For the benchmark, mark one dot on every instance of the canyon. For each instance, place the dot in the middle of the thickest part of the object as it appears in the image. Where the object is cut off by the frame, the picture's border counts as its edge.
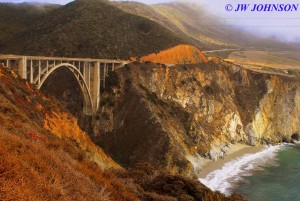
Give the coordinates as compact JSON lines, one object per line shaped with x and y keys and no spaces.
{"x":172,"y":105}
{"x":171,"y":117}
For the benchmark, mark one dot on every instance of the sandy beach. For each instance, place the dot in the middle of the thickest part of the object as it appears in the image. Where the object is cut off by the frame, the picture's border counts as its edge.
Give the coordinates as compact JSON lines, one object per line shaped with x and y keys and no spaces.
{"x":233,"y":153}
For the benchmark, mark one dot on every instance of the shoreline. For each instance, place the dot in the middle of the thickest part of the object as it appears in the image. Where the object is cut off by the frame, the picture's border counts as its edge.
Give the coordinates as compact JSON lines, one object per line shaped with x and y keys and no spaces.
{"x":236,"y":151}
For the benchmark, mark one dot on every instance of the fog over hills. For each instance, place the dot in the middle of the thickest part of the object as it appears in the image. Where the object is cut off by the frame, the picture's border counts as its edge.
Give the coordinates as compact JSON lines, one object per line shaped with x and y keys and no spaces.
{"x":163,"y":117}
{"x":118,"y":29}
{"x":283,"y":26}
{"x":192,"y":22}
{"x":278,"y":25}
{"x":16,"y":18}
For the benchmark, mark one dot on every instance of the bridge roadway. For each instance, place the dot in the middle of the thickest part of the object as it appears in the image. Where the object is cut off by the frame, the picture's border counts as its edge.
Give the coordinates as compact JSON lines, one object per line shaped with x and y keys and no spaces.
{"x":91,"y":74}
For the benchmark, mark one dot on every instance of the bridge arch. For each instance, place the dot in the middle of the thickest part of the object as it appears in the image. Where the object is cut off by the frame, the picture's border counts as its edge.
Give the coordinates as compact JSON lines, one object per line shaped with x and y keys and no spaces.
{"x":45,"y":73}
{"x":90,"y":73}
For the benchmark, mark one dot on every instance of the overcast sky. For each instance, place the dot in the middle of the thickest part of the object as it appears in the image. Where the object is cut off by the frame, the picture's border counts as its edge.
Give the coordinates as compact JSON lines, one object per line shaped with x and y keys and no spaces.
{"x":282,"y":25}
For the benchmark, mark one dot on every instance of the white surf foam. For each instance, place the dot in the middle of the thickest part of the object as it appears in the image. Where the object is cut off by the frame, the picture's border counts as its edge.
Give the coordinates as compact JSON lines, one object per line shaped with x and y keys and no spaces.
{"x":226,"y":178}
{"x":297,"y":143}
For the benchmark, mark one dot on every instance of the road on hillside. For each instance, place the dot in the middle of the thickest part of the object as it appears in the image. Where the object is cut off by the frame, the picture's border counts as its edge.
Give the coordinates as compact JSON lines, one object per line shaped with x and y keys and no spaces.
{"x":222,"y":50}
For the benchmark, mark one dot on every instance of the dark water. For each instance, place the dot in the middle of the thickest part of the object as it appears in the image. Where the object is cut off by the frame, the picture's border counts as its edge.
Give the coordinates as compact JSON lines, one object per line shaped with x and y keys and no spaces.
{"x":278,"y":182}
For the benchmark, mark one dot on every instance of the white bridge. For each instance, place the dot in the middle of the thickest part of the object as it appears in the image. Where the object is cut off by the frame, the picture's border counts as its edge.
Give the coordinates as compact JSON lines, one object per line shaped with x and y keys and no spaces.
{"x":90,"y":73}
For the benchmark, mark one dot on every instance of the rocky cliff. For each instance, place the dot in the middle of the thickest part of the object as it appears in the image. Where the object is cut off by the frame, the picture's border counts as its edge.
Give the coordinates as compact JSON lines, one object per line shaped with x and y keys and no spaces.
{"x":45,"y":156}
{"x":171,"y":117}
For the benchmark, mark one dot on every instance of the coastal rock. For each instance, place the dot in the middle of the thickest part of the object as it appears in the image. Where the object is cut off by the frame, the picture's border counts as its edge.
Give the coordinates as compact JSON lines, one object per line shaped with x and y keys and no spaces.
{"x":277,"y":116}
{"x":164,"y":115}
{"x":295,"y":136}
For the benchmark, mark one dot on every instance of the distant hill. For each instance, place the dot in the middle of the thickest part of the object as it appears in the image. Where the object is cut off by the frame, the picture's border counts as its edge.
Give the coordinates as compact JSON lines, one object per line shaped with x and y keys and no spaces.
{"x":120,"y":30}
{"x":15,"y":18}
{"x":92,"y":28}
{"x":200,"y":28}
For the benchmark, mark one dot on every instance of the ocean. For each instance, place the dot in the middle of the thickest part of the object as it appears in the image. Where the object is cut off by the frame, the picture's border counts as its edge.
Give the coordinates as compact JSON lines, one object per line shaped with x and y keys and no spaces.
{"x":273,"y":174}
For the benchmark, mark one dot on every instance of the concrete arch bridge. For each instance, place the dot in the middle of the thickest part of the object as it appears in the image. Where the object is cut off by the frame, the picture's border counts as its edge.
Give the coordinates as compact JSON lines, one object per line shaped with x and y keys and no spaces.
{"x":91,"y":74}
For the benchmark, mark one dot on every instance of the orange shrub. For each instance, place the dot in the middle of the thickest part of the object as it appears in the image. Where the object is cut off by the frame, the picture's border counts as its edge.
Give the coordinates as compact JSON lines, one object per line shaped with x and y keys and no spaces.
{"x":181,"y":54}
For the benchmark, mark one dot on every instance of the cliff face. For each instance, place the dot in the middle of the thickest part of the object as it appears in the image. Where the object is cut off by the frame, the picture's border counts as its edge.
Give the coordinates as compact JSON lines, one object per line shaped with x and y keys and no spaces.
{"x":277,"y":116}
{"x":45,"y":156}
{"x":172,"y":116}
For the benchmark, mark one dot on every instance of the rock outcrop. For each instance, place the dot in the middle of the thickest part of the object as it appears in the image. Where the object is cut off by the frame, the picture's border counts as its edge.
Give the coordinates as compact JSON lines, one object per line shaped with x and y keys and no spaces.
{"x":172,"y":116}
{"x":45,"y":156}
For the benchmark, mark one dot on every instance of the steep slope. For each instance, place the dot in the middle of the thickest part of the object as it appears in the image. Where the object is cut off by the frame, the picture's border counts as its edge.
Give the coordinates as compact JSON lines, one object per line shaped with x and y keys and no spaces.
{"x":20,"y":99}
{"x":170,"y":116}
{"x":200,"y":28}
{"x":45,"y":156}
{"x":92,"y":28}
{"x":181,"y":54}
{"x":15,"y":18}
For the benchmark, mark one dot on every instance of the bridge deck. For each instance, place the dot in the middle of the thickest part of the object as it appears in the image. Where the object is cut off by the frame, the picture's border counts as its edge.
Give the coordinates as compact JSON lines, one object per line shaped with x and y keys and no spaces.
{"x":90,"y":73}
{"x":2,"y":56}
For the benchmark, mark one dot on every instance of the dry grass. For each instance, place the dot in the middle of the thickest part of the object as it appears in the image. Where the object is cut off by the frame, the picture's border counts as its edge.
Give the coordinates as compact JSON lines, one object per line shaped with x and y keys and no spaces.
{"x":181,"y":54}
{"x":24,"y":108}
{"x":60,"y":163}
{"x":35,"y":164}
{"x":35,"y":170}
{"x":265,"y":61}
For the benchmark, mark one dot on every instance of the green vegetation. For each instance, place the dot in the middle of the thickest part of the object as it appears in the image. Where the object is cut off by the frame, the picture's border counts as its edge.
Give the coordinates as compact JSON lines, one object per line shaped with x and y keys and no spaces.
{"x":92,"y":28}
{"x":16,"y":18}
{"x":103,"y":29}
{"x":200,"y":28}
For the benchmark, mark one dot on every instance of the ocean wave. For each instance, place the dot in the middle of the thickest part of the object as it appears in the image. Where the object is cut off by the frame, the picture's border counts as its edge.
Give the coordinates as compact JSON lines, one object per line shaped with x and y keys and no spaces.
{"x":296,"y":143}
{"x":226,"y":178}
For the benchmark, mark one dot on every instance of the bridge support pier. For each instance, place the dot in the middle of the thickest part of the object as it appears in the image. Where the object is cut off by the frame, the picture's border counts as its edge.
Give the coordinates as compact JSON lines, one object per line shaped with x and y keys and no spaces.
{"x":91,"y":74}
{"x":87,"y":105}
{"x":95,"y":87}
{"x":22,"y":67}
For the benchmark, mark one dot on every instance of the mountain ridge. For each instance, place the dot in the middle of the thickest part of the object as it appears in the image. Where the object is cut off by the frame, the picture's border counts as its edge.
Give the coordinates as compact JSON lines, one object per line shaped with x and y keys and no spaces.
{"x":16,"y":18}
{"x":128,"y":29}
{"x":95,"y":29}
{"x":200,"y":27}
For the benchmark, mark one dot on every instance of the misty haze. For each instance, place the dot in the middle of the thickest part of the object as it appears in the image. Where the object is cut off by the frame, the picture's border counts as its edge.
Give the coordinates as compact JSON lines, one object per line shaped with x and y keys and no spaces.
{"x":153,"y":100}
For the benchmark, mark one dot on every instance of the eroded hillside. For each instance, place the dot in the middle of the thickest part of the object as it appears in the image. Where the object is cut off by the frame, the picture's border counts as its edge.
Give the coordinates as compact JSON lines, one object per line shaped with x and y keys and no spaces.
{"x":172,"y":116}
{"x":45,"y":156}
